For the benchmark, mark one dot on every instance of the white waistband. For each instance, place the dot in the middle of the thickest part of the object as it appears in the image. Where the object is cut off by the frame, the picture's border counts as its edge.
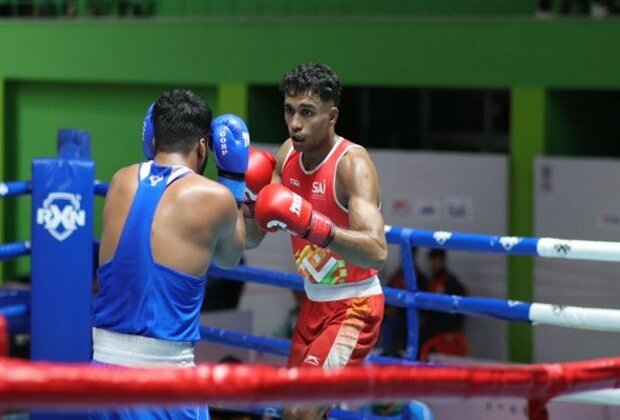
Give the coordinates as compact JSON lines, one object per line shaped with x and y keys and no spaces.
{"x":328,"y":293}
{"x":135,"y":350}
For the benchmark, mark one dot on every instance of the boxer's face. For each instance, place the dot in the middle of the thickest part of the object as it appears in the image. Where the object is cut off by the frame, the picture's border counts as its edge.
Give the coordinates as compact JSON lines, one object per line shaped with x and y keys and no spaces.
{"x":310,"y":121}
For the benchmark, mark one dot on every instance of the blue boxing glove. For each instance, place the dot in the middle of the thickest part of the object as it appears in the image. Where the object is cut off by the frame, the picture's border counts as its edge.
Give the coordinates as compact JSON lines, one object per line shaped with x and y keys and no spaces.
{"x":230,"y":143}
{"x":148,"y":133}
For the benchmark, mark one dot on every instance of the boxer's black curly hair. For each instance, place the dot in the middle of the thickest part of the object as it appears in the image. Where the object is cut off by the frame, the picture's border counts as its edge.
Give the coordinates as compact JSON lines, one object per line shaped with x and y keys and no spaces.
{"x":180,"y":118}
{"x":312,"y":77}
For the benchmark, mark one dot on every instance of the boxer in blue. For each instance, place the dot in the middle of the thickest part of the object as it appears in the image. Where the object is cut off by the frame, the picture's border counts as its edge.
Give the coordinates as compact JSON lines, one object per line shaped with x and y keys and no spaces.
{"x":163,"y":224}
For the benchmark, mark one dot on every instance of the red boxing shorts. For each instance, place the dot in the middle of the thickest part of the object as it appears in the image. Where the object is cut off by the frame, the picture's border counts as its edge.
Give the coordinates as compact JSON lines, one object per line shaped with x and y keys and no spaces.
{"x":338,"y":333}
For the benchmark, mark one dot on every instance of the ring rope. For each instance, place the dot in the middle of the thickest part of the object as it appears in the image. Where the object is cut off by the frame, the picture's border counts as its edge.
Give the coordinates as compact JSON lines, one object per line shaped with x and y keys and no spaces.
{"x":14,"y":296}
{"x":4,"y":336}
{"x":13,"y":311}
{"x":14,"y":250}
{"x":101,"y":188}
{"x":513,"y":245}
{"x":539,"y":313}
{"x":15,"y":188}
{"x":277,"y":346}
{"x":232,"y":338}
{"x":601,"y":397}
{"x":70,"y":385}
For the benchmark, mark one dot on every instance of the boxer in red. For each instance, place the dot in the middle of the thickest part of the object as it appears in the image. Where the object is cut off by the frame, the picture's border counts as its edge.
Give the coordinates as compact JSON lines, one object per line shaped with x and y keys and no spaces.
{"x":325,"y":192}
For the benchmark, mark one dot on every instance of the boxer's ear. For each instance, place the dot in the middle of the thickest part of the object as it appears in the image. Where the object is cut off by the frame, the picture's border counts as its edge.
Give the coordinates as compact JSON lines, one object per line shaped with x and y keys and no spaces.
{"x":333,"y":115}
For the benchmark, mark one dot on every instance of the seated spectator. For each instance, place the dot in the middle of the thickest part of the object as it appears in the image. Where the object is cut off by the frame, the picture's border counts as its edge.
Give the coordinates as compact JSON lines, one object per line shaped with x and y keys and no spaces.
{"x":596,"y":8}
{"x":393,"y":338}
{"x":442,"y":281}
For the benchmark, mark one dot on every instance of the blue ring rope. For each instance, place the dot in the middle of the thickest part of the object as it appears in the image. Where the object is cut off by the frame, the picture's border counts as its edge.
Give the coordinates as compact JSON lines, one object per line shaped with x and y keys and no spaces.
{"x":14,"y":250}
{"x":15,"y":188}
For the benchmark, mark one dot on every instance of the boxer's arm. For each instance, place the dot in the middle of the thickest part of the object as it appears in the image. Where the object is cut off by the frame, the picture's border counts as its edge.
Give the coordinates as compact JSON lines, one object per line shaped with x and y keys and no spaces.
{"x":254,"y":234}
{"x":230,"y":142}
{"x":231,"y":234}
{"x":363,"y":244}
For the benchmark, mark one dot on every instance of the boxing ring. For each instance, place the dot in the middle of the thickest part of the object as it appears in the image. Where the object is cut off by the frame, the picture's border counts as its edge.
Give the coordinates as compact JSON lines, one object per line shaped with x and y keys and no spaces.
{"x":56,"y":313}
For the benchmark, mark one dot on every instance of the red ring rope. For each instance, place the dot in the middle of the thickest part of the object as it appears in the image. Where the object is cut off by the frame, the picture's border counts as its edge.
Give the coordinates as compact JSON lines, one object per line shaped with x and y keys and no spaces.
{"x":25,"y":384}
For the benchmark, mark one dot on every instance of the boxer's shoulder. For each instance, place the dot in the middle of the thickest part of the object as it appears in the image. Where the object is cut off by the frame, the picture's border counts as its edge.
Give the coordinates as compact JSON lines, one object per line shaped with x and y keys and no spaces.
{"x":196,"y":192}
{"x":124,"y":180}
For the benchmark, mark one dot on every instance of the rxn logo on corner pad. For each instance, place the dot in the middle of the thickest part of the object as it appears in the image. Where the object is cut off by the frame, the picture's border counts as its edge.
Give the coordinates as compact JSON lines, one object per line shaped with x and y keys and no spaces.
{"x":61,"y":215}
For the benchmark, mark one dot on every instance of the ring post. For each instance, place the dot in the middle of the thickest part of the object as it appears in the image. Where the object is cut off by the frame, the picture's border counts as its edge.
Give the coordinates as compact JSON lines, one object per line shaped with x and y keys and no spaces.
{"x":62,"y":259}
{"x":412,"y":349}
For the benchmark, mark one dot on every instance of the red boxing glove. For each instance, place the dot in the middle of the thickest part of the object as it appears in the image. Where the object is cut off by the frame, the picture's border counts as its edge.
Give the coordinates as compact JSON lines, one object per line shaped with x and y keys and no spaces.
{"x":260,"y":169}
{"x":277,"y":207}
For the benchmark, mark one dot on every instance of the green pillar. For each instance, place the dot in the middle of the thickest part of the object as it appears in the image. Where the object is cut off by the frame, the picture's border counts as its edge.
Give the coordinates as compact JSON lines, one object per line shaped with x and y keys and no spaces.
{"x":527,"y":140}
{"x":233,"y":98}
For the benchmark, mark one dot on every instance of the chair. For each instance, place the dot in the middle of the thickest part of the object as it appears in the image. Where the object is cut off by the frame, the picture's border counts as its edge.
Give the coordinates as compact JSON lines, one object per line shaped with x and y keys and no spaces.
{"x":452,"y":343}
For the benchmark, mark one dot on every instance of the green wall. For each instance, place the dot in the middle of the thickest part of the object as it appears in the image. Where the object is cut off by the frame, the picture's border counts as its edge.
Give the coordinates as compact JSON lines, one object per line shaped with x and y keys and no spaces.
{"x":112,"y":113}
{"x":100,"y":75}
{"x":387,"y":52}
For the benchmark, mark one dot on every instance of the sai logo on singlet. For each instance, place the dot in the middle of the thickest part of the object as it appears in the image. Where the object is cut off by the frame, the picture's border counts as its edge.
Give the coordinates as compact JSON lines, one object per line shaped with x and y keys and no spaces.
{"x":61,"y":215}
{"x":319,"y":187}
